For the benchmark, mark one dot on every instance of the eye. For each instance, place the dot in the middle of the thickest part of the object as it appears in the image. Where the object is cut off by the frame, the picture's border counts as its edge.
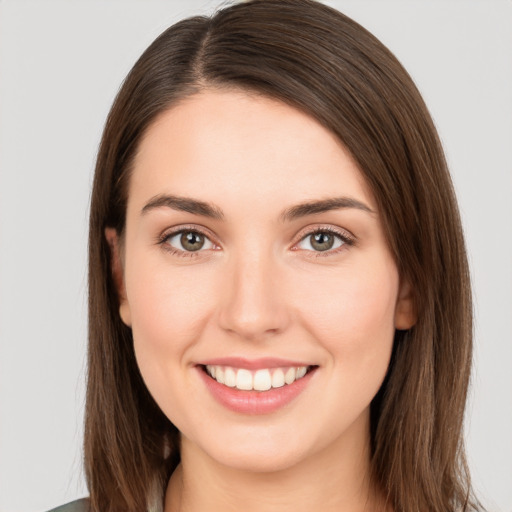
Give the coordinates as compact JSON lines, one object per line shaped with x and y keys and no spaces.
{"x":323,"y":240}
{"x":188,"y":241}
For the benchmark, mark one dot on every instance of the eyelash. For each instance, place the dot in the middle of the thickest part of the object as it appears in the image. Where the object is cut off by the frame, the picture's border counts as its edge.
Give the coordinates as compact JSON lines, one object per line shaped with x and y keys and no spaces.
{"x":163,"y":239}
{"x":346,"y":239}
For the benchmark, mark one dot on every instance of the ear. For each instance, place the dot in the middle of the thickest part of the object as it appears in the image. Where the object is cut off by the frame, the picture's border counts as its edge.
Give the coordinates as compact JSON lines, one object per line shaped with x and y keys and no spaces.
{"x":117,"y":270}
{"x":405,"y":310}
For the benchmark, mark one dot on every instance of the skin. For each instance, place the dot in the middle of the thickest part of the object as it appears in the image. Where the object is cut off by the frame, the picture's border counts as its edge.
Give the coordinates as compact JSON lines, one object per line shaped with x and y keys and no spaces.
{"x":259,"y":289}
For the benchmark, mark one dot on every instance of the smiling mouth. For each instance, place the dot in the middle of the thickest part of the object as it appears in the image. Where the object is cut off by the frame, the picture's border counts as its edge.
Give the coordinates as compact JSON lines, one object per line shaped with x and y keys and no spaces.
{"x":258,"y":380}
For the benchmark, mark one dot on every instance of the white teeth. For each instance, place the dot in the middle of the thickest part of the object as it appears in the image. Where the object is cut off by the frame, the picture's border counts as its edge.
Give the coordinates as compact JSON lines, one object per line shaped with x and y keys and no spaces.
{"x":230,"y":377}
{"x":278,"y":378}
{"x":244,"y":379}
{"x":289,"y":376}
{"x":301,"y":371}
{"x":260,"y":380}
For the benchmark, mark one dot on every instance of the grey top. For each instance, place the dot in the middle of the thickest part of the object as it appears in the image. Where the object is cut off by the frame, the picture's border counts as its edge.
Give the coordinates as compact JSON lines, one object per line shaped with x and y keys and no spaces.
{"x":75,"y":506}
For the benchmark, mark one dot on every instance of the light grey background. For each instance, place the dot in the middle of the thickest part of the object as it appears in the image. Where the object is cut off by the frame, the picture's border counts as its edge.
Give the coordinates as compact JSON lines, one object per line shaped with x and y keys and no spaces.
{"x":61,"y":63}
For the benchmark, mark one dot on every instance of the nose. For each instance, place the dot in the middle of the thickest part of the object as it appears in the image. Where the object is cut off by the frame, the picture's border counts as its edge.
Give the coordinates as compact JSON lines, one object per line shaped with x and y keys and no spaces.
{"x":253,"y":304}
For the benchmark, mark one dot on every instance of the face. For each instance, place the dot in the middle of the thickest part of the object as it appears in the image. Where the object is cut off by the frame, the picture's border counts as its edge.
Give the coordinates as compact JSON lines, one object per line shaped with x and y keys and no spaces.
{"x":257,"y":281}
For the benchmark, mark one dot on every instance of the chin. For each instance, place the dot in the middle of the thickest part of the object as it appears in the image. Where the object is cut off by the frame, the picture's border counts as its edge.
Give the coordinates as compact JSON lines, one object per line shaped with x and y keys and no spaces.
{"x":257,"y":450}
{"x":259,"y":461}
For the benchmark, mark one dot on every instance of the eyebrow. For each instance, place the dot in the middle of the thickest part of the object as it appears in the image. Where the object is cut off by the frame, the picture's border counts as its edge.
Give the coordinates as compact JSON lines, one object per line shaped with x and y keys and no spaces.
{"x":184,"y":204}
{"x":323,"y":205}
{"x":205,"y":209}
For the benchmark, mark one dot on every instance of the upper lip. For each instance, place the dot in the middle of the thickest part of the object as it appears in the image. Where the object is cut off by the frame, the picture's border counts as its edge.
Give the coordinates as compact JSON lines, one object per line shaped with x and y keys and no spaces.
{"x":252,"y":364}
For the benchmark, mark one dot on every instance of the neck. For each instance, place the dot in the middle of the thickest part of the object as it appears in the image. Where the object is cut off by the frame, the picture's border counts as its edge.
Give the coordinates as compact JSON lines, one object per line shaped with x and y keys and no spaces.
{"x":335,"y":479}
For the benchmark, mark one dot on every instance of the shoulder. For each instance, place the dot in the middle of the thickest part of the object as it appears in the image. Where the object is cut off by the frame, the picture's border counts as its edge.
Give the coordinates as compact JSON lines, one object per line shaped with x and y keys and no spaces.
{"x":75,"y":506}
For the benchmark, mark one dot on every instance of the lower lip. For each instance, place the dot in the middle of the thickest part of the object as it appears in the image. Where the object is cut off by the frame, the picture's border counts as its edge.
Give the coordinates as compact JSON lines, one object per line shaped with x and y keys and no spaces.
{"x":255,"y":402}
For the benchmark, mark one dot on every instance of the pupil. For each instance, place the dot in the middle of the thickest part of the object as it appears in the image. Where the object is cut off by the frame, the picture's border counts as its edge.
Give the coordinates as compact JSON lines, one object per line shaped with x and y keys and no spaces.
{"x":192,"y":241}
{"x":322,"y":241}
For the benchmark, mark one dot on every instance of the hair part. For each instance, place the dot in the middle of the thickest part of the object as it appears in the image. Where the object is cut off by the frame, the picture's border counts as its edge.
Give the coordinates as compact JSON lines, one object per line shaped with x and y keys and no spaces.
{"x":315,"y":59}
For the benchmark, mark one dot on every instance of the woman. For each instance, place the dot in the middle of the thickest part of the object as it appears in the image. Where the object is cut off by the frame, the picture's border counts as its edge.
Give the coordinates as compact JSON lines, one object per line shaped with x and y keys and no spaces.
{"x":280,"y":311}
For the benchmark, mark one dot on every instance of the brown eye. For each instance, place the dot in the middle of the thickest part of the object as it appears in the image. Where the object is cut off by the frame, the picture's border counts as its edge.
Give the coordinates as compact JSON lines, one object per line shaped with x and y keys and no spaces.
{"x":188,"y":241}
{"x":321,"y":241}
{"x":192,"y":241}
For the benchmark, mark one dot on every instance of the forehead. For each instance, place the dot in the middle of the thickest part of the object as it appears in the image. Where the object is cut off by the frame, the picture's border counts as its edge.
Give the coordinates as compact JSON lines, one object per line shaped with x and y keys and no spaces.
{"x":232,"y":146}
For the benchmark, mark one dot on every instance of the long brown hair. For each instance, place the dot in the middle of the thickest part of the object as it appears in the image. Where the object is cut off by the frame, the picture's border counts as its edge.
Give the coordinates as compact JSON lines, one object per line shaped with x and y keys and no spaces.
{"x":319,"y":61}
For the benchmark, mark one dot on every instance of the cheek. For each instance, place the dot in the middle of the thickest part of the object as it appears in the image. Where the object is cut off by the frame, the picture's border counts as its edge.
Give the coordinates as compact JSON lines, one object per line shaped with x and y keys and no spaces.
{"x":168,"y":310}
{"x":352,"y":317}
{"x":352,"y":314}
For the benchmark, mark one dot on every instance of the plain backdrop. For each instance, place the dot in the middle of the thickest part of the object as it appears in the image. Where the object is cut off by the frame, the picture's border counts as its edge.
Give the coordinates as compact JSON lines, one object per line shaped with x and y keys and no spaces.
{"x":61,"y":63}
